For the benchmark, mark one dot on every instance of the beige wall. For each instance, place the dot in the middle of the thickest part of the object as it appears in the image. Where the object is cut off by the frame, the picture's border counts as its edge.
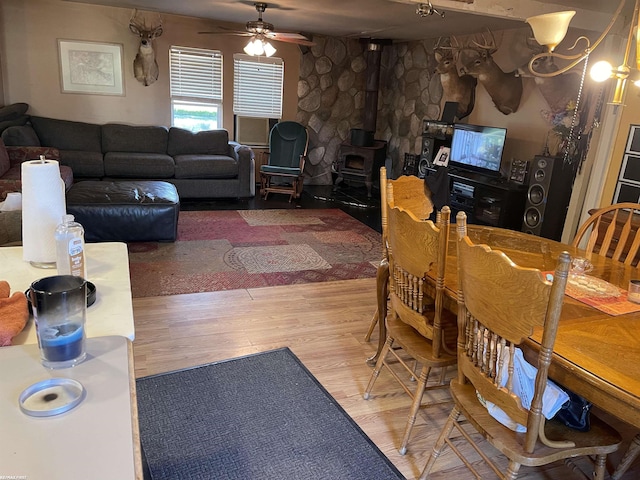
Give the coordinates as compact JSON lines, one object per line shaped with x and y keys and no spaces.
{"x":30,"y":68}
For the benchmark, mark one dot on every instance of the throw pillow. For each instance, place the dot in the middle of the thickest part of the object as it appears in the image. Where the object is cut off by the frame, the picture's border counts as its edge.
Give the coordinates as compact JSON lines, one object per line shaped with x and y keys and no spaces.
{"x":21,"y":136}
{"x":22,"y":120}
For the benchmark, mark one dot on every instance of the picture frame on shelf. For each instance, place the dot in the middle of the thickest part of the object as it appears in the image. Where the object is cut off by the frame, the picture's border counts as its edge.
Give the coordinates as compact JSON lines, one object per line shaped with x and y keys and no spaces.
{"x":442,"y":157}
{"x":90,"y":67}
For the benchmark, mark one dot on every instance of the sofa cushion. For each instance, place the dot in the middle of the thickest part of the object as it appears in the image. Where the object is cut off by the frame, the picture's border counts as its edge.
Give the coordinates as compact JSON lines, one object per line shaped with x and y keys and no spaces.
{"x":138,"y":165}
{"x":84,"y":164}
{"x":67,"y":135}
{"x":205,"y":166}
{"x":20,"y":136}
{"x":137,"y":139}
{"x":5,"y":163}
{"x":210,"y":142}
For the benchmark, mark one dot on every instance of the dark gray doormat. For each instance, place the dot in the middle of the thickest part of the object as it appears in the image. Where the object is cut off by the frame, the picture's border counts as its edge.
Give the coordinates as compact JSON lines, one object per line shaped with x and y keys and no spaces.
{"x":262,"y":416}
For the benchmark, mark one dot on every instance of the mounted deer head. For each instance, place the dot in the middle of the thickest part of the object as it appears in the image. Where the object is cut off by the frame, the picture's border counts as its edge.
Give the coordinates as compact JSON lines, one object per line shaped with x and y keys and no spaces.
{"x":145,"y":67}
{"x":504,"y":88}
{"x":560,"y":90}
{"x":455,"y":88}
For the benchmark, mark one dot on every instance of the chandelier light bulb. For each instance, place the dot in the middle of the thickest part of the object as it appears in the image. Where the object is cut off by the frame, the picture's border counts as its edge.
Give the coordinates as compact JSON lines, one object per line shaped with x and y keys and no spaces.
{"x":601,"y":71}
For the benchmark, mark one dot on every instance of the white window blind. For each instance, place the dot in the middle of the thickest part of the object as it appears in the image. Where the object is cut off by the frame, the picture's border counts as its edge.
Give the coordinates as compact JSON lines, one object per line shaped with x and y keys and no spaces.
{"x":195,"y":73}
{"x":257,"y":86}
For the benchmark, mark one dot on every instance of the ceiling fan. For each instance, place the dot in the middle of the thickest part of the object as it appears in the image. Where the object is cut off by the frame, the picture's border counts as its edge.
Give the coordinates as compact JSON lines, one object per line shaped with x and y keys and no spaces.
{"x":261,"y":30}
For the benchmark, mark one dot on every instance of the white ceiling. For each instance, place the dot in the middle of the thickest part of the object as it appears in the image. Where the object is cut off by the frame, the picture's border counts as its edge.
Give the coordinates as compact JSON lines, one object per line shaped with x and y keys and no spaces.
{"x":384,"y":19}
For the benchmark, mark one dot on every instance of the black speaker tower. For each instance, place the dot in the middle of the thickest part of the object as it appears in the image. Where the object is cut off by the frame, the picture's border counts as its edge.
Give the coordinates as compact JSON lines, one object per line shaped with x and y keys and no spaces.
{"x":548,"y":196}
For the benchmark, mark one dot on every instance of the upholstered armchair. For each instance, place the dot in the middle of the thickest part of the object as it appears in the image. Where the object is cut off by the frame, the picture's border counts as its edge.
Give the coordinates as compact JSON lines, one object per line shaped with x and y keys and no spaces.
{"x":288,"y":143}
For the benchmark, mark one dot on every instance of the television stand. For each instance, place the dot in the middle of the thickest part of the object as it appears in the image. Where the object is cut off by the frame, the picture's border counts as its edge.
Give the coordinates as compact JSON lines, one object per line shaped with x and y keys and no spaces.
{"x":486,"y":200}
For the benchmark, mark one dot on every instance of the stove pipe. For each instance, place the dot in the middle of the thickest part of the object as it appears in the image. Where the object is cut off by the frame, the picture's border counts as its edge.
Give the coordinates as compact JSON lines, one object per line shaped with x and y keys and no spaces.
{"x":370,"y":111}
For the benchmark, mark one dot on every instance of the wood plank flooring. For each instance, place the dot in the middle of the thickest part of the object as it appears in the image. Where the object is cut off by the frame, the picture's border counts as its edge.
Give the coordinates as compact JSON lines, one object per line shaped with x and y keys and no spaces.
{"x":324,"y":325}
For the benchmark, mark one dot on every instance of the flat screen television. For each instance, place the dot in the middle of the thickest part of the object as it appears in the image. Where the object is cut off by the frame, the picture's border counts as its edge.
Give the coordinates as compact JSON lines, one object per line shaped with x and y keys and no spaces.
{"x":477,"y":148}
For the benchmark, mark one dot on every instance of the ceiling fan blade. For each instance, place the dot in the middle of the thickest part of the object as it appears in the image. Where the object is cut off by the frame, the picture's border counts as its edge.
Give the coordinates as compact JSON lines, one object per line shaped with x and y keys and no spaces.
{"x":241,"y":34}
{"x":290,"y":38}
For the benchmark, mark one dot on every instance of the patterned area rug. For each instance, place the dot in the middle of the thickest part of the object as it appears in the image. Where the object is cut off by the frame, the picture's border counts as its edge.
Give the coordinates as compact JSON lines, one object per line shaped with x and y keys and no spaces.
{"x":229,"y":249}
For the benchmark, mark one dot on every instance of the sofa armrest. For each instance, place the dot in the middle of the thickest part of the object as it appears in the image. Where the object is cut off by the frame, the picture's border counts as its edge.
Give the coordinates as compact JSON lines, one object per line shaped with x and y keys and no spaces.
{"x":246,"y":168}
{"x":17,"y":155}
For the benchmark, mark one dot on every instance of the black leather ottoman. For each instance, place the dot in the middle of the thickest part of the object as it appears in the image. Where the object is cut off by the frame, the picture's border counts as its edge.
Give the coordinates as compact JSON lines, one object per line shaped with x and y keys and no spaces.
{"x":128,"y":211}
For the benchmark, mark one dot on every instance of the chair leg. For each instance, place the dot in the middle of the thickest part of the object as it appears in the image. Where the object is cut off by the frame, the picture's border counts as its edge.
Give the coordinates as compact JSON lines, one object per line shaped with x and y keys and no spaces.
{"x":415,"y":406}
{"x":600,"y":472}
{"x":372,"y":325}
{"x":631,"y":454}
{"x":440,"y":443}
{"x":265,"y":183}
{"x":298,"y":184}
{"x":377,"y":368}
{"x":512,"y":470}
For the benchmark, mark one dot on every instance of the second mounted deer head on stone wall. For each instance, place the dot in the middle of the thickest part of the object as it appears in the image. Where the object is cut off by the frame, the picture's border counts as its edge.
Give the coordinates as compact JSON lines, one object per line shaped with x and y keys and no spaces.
{"x":145,"y":67}
{"x":455,"y":87}
{"x":504,"y":88}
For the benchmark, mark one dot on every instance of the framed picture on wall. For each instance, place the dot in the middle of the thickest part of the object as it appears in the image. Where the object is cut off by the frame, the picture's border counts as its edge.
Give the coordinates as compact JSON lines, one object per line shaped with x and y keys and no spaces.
{"x":90,"y":67}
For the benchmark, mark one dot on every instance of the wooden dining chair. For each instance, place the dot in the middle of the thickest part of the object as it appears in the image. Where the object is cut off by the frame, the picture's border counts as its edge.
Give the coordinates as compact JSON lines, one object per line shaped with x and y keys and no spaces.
{"x":417,"y":324}
{"x":612,"y":232}
{"x":409,"y":193}
{"x":499,"y":305}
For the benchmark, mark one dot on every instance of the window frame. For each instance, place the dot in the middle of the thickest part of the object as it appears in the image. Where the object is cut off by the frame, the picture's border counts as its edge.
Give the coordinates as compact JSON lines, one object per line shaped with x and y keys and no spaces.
{"x":254,"y":94}
{"x":196,"y":79}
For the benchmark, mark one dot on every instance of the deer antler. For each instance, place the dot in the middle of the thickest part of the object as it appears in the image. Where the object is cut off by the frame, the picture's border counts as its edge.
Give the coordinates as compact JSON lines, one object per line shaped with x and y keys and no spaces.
{"x":143,"y":26}
{"x":489,"y":46}
{"x":439,"y":46}
{"x":136,"y":23}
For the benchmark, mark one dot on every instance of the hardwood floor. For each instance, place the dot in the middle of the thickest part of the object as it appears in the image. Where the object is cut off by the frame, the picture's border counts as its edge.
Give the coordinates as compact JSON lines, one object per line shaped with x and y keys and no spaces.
{"x":324,"y":325}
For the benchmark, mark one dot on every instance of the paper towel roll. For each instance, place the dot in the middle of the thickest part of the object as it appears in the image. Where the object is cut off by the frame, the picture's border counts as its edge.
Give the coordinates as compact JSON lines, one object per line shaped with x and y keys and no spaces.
{"x":43,"y":205}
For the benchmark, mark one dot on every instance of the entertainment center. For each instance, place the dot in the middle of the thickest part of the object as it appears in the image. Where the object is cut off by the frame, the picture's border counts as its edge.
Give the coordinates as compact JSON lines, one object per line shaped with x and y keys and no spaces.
{"x":473,"y":160}
{"x":486,"y":200}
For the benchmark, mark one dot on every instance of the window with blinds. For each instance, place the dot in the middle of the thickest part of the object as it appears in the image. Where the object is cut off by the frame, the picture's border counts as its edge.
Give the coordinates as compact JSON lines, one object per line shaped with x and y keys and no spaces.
{"x":257,"y":85}
{"x":196,"y":88}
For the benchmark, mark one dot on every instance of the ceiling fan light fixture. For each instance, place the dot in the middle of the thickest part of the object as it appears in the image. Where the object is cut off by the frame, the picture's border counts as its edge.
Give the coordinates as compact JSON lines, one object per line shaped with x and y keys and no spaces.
{"x":269,"y":49}
{"x":259,"y":46}
{"x":251,"y":48}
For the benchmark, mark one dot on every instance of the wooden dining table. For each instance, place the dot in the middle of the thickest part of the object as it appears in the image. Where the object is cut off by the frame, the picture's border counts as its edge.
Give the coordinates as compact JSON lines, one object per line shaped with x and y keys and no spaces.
{"x":596,"y":355}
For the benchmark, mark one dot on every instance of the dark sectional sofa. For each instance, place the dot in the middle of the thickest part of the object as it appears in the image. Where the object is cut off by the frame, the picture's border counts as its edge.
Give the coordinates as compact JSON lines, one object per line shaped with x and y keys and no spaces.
{"x":200,"y":165}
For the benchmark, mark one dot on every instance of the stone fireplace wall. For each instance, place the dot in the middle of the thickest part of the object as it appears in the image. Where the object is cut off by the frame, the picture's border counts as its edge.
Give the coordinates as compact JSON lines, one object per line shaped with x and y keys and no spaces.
{"x":331,"y":92}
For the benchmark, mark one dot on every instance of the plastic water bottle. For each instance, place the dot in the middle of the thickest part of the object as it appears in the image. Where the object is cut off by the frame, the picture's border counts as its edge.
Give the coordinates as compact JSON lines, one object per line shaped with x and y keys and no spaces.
{"x":70,"y":258}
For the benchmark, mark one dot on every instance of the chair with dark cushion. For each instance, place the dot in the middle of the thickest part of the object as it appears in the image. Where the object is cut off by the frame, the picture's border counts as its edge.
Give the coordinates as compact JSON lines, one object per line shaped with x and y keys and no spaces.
{"x":288,"y":143}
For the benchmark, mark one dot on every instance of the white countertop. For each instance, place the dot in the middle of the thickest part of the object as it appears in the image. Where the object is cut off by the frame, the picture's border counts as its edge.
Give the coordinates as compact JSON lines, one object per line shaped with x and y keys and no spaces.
{"x":94,"y":440}
{"x":107,"y":269}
